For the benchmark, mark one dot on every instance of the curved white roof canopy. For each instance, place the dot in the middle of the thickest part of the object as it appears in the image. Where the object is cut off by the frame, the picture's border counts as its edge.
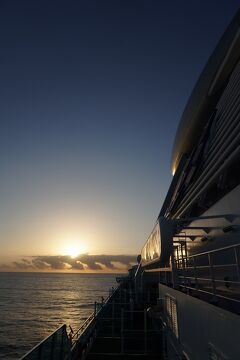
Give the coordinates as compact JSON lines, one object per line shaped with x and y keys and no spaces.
{"x":205,"y":93}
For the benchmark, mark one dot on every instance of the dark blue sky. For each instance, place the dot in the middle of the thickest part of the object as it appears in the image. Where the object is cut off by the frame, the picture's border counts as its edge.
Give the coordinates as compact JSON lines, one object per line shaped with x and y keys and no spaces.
{"x":91,"y":96}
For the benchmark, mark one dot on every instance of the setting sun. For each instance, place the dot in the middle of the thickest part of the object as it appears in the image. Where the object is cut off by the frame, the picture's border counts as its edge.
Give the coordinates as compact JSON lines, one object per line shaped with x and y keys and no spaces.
{"x":73,"y":252}
{"x":73,"y":249}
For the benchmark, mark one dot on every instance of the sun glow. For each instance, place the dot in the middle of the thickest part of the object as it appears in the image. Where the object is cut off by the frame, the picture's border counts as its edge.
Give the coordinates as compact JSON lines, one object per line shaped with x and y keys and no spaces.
{"x":74,"y":249}
{"x":73,"y":252}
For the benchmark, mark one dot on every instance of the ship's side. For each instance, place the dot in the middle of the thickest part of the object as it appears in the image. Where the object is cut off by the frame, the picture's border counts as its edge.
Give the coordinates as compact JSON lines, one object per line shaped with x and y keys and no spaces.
{"x":193,"y":253}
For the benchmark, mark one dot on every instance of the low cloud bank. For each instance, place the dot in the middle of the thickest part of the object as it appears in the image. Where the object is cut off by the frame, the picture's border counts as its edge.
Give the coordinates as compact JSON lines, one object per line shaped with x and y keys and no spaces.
{"x":84,"y":262}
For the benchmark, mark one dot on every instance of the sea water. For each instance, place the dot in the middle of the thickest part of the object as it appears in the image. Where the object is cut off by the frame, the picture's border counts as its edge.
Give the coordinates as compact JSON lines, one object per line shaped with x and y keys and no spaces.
{"x":32,"y":305}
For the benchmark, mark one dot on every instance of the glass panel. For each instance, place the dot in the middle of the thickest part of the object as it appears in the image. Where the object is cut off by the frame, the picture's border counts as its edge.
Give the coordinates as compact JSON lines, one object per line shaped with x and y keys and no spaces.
{"x":46,"y":348}
{"x":151,"y":249}
{"x":55,"y":347}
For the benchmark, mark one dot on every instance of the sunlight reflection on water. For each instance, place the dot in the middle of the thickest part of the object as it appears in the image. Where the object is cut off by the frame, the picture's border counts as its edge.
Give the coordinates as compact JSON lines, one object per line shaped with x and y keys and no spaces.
{"x":32,"y":305}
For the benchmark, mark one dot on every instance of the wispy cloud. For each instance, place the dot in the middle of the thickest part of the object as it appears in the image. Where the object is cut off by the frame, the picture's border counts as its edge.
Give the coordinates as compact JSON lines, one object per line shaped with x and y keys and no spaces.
{"x":84,"y":262}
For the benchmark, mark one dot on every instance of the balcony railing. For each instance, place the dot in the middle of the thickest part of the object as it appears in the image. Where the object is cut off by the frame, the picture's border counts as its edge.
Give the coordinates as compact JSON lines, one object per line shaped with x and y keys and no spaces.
{"x":215,"y":273}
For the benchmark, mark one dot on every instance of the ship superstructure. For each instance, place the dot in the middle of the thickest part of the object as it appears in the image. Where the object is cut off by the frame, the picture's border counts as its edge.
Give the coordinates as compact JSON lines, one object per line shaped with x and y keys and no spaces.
{"x":194,"y":248}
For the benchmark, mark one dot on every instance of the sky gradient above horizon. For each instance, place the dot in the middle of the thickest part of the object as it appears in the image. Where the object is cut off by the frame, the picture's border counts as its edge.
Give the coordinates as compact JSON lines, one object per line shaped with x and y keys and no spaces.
{"x":91,"y":96}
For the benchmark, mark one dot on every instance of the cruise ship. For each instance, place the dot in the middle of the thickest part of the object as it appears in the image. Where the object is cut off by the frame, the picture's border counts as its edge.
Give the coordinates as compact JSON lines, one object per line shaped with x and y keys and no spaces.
{"x":182,"y":299}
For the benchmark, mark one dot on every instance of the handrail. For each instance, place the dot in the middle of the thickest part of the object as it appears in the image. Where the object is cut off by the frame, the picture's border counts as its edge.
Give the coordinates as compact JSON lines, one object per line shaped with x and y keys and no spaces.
{"x":215,"y":250}
{"x":208,"y":279}
{"x":210,"y":293}
{"x":82,"y":327}
{"x":84,"y":336}
{"x":92,"y":316}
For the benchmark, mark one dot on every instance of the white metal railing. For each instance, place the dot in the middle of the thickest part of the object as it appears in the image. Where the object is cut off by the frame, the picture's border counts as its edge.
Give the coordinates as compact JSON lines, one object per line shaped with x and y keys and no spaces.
{"x":201,"y":273}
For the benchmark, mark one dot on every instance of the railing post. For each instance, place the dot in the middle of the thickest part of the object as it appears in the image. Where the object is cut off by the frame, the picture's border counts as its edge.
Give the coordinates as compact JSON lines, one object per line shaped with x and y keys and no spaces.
{"x":212,"y":276}
{"x":195,"y":273}
{"x":178,"y":260}
{"x":174,"y":270}
{"x":183,"y":266}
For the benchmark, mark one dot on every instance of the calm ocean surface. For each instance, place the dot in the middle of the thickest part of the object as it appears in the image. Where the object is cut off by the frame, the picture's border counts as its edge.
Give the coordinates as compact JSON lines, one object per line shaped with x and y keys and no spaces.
{"x":32,"y":305}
